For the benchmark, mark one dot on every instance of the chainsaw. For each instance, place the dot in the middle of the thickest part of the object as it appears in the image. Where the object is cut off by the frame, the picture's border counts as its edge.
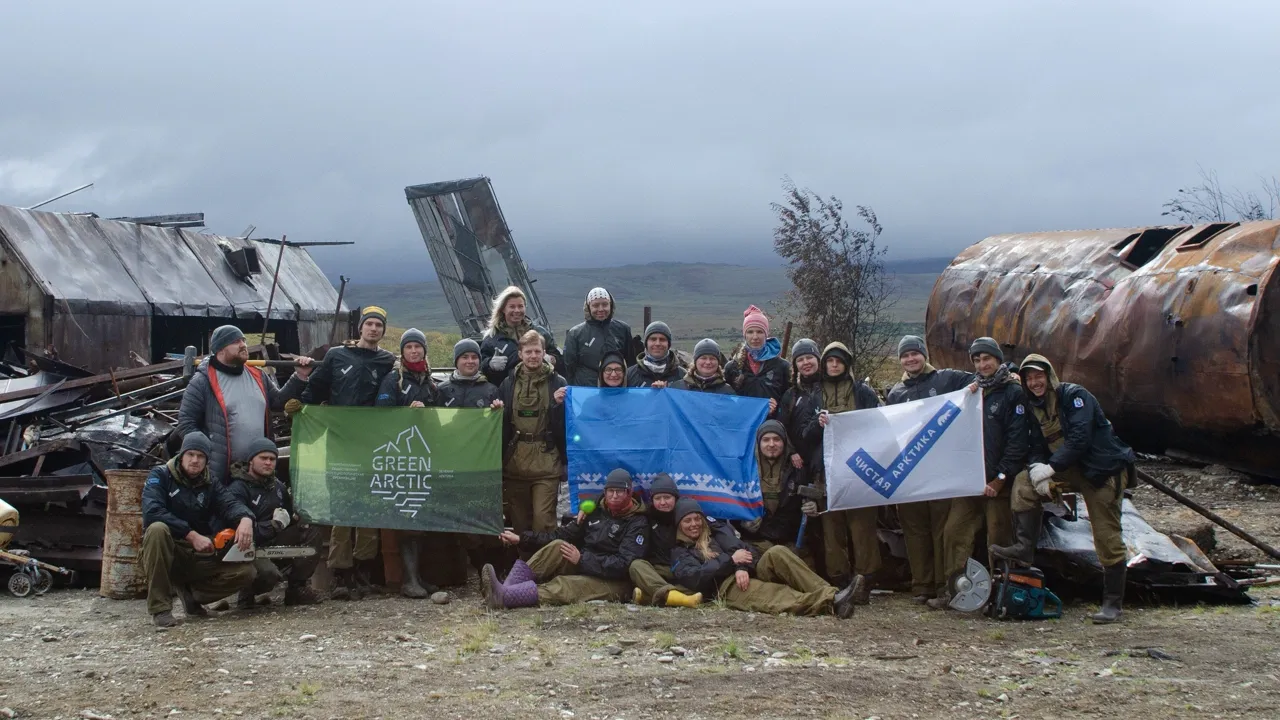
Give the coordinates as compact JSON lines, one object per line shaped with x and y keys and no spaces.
{"x":1013,"y":594}
{"x":224,"y":543}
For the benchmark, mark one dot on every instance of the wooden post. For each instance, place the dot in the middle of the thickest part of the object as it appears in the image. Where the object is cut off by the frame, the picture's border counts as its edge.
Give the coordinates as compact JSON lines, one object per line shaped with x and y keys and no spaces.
{"x":648,"y":317}
{"x":786,"y":340}
{"x":275,"y":278}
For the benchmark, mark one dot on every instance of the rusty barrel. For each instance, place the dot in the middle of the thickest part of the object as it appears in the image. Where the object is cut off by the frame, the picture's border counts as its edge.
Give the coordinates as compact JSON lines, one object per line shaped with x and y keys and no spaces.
{"x":122,"y":577}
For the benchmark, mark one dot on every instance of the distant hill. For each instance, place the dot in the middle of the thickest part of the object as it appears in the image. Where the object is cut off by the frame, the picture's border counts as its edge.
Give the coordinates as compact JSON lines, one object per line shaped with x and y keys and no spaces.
{"x":695,"y":299}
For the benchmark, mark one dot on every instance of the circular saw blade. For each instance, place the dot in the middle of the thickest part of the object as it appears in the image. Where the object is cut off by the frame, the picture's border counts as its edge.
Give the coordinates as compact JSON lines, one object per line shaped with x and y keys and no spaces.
{"x":970,"y":588}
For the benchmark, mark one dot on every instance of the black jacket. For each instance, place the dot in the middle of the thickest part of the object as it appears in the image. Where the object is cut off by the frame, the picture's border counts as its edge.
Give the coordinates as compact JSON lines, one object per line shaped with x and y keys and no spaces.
{"x":262,"y":499}
{"x":781,"y":526}
{"x":348,"y":376}
{"x":691,"y":381}
{"x":802,"y":415}
{"x":691,"y":570}
{"x":586,"y":344}
{"x":639,"y":375}
{"x":185,"y":506}
{"x":555,"y":418}
{"x":494,"y":343}
{"x":930,"y":384}
{"x":662,"y":535}
{"x":459,"y":392}
{"x":608,"y":544}
{"x":401,"y":387}
{"x":1090,"y":440}
{"x":771,"y":382}
{"x":1005,"y":432}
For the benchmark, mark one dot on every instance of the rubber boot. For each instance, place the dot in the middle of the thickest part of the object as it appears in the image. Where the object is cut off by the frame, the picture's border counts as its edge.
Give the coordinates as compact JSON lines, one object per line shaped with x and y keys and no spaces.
{"x":301,"y":595}
{"x":364,"y":570}
{"x":862,"y":589}
{"x":412,"y":585}
{"x":845,"y":600}
{"x":509,"y":597}
{"x":675,"y":598}
{"x":189,"y":604}
{"x":244,"y":599}
{"x":1112,"y":595}
{"x":1026,"y":529}
{"x":344,"y":585}
{"x":637,"y":597}
{"x":520,"y":572}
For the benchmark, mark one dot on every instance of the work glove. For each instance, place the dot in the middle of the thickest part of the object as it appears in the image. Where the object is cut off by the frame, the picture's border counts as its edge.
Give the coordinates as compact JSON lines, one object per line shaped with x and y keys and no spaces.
{"x":498,"y":363}
{"x":1040,"y":474}
{"x":280,"y":519}
{"x":292,"y":406}
{"x":752,"y":525}
{"x":809,"y":507}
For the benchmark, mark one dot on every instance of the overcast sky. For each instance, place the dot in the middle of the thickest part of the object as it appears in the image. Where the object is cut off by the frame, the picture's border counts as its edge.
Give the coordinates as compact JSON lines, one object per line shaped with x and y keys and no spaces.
{"x":620,"y":132}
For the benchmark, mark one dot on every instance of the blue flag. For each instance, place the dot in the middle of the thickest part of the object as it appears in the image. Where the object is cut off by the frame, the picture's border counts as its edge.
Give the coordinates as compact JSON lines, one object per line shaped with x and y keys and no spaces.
{"x":706,"y":442}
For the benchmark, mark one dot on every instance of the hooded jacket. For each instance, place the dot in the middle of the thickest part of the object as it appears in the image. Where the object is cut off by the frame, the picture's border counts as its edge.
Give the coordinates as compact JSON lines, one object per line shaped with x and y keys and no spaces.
{"x":461,"y":392}
{"x":555,"y":415}
{"x":701,"y":574}
{"x":662,"y":525}
{"x":781,"y":526}
{"x":260,"y":497}
{"x":185,"y":504}
{"x":349,"y":376}
{"x":639,"y":375}
{"x":608,"y":544}
{"x":770,"y":382}
{"x":808,"y":403}
{"x":204,"y":409}
{"x":611,"y":357}
{"x":497,"y":340}
{"x":401,"y":387}
{"x":1088,"y":439}
{"x":691,"y":381}
{"x":587,"y":343}
{"x":1005,"y":431}
{"x":929,"y":383}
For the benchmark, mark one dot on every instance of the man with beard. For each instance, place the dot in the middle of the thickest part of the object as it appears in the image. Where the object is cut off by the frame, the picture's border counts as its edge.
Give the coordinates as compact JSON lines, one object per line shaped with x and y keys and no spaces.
{"x":254,"y":485}
{"x":658,"y":365}
{"x":652,"y":575}
{"x":779,"y":482}
{"x":351,"y":375}
{"x":588,"y":342}
{"x":1004,"y":440}
{"x":231,"y":403}
{"x":500,"y":346}
{"x":1073,"y":444}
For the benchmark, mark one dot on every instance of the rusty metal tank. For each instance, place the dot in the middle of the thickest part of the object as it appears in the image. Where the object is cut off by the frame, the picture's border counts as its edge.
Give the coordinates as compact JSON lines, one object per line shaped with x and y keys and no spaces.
{"x":1175,"y":329}
{"x":122,"y":577}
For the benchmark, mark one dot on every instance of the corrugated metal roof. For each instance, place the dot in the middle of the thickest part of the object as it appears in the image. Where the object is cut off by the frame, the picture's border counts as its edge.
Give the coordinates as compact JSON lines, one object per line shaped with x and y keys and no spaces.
{"x":248,"y":296}
{"x":72,"y":261}
{"x":165,"y":270}
{"x":301,"y":281}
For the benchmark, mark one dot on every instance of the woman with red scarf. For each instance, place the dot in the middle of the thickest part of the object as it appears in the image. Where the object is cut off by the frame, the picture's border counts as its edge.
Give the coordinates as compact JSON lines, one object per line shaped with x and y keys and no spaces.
{"x":758,"y":370}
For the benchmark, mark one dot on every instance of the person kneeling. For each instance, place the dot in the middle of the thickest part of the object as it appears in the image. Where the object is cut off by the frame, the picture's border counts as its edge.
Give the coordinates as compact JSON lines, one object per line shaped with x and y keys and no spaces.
{"x":254,"y":484}
{"x":181,"y":511}
{"x":582,"y":561}
{"x":773,"y":582}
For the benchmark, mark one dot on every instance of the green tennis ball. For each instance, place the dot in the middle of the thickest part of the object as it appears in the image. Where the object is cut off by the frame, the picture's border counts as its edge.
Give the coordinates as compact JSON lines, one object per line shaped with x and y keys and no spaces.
{"x":587,"y":506}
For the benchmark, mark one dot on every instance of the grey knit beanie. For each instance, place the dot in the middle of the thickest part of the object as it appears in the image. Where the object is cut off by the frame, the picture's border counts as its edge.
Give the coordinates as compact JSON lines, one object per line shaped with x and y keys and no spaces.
{"x":464,"y":346}
{"x":706,"y":346}
{"x":986,"y":345}
{"x":261,"y":445}
{"x":912,"y":342}
{"x":659,"y":327}
{"x":223,"y":336}
{"x":618,"y":478}
{"x":197,"y":441}
{"x":804,"y":346}
{"x":663,"y":484}
{"x":413,"y":335}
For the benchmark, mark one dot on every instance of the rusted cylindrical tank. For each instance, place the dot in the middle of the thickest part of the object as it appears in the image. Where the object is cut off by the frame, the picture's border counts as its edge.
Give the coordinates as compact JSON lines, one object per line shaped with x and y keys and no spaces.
{"x":122,"y":577}
{"x":1175,"y":329}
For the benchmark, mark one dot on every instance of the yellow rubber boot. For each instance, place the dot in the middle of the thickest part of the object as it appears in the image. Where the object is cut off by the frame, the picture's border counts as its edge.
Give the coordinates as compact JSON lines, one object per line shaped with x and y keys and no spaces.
{"x":637,"y":597}
{"x":675,"y":598}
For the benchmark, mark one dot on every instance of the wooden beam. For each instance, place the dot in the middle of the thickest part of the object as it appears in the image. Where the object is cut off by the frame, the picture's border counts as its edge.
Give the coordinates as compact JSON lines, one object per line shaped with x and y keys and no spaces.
{"x":40,"y":450}
{"x":104,"y":378}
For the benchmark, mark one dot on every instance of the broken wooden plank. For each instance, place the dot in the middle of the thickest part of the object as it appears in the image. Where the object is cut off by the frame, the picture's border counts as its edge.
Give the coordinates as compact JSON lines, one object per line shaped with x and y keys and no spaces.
{"x":130,"y":374}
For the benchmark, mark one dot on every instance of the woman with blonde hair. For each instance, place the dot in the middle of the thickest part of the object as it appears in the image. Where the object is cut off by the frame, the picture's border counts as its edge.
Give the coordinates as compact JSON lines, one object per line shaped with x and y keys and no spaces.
{"x":500,"y":345}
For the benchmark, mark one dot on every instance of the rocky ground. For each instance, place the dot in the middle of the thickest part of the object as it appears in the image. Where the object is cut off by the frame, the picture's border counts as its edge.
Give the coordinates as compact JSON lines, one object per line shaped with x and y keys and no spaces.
{"x":71,"y":654}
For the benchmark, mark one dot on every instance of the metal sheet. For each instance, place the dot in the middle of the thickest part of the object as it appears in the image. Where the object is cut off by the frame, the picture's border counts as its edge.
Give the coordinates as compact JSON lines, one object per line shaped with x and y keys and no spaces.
{"x":249,"y":297}
{"x":22,"y":407}
{"x":301,"y":281}
{"x":1182,"y":349}
{"x":165,"y":270}
{"x":71,"y":261}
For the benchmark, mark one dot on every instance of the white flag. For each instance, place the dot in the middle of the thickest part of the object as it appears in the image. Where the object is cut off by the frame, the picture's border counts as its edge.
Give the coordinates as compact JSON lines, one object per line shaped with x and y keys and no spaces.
{"x":929,"y":449}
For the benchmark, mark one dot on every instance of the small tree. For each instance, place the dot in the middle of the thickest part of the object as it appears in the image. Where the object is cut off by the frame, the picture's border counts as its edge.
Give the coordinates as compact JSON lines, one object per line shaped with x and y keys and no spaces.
{"x":841,"y":290}
{"x":1208,"y":202}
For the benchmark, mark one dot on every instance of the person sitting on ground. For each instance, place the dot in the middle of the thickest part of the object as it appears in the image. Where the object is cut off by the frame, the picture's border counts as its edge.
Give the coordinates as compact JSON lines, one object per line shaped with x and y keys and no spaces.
{"x":254,"y":484}
{"x":409,"y":383}
{"x":779,"y":482}
{"x":585,"y":560}
{"x":773,"y":582}
{"x":588,"y":343}
{"x":658,"y":366}
{"x":613,"y":371}
{"x":706,"y":375}
{"x":500,"y":346}
{"x":182,"y":510}
{"x":1074,"y":444}
{"x":758,"y":369}
{"x":532,"y":438}
{"x":652,"y":575}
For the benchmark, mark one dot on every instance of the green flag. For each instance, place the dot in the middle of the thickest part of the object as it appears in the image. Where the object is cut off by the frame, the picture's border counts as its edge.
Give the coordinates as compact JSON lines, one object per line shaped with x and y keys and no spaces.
{"x":398,"y":468}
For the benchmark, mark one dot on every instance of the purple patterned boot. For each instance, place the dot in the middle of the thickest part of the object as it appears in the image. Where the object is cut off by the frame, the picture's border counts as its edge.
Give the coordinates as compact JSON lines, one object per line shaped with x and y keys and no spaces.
{"x":520,"y":572}
{"x":509,"y":597}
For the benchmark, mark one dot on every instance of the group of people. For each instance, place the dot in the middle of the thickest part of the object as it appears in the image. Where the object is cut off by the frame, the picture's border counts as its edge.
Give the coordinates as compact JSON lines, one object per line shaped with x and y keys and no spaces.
{"x":1041,"y":436}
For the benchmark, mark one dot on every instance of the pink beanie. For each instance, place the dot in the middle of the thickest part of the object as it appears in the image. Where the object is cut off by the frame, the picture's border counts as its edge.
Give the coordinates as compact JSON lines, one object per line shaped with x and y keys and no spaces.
{"x":753,"y":317}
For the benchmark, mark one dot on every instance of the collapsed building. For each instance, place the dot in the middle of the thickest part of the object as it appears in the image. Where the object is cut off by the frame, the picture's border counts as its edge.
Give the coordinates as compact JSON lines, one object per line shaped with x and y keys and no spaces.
{"x":1176,"y":329}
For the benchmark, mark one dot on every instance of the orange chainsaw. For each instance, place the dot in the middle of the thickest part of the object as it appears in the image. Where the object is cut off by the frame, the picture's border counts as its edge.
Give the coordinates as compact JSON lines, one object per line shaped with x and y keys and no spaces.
{"x":224,"y":543}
